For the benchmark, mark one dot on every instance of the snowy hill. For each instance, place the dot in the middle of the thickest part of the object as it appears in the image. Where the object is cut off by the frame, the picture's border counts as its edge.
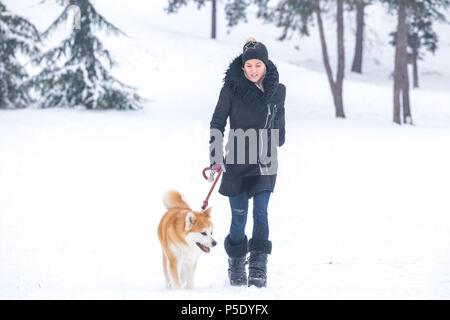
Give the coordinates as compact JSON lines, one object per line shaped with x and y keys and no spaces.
{"x":360,"y":209}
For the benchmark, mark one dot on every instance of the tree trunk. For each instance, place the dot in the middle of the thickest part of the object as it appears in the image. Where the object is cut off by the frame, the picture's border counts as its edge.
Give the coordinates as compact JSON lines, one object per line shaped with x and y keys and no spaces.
{"x":336,"y":87}
{"x":213,"y":19}
{"x":415,"y":70}
{"x":407,"y":118}
{"x":358,"y":57}
{"x":414,"y":43}
{"x":400,"y":62}
{"x":341,"y":59}
{"x":403,"y":39}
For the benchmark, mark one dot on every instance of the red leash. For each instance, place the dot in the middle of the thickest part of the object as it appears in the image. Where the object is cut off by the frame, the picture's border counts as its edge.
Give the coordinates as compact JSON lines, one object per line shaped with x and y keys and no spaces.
{"x":215,"y":168}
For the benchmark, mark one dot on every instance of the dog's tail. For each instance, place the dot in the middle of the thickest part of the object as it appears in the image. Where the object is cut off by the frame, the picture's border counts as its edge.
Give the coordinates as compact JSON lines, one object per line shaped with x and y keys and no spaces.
{"x":173,"y":199}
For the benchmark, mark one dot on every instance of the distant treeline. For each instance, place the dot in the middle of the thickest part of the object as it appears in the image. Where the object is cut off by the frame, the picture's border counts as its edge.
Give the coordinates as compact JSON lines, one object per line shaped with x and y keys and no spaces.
{"x":414,"y":34}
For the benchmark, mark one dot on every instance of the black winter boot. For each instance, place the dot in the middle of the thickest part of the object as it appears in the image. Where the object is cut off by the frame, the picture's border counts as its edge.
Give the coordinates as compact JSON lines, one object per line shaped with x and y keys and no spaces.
{"x":236,"y":262}
{"x":257,"y":269}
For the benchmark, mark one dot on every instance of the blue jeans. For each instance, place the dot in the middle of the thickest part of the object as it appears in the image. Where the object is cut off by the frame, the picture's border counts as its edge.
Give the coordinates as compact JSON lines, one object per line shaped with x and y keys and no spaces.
{"x":239,"y":211}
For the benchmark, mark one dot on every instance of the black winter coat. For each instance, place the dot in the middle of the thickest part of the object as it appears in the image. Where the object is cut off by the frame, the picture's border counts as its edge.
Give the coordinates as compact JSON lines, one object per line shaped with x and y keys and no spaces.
{"x":249,"y":108}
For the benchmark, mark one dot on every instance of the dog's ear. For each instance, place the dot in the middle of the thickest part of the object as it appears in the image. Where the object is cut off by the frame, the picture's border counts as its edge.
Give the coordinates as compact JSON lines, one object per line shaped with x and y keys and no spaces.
{"x":208,"y":212}
{"x":190,"y":221}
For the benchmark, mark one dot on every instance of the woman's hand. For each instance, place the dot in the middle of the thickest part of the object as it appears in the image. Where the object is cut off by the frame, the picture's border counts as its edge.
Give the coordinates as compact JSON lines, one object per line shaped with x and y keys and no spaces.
{"x":218,"y":166}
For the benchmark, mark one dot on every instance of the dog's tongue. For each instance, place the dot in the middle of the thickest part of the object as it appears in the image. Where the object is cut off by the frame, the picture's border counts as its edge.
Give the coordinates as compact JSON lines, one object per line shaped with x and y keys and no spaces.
{"x":204,"y":248}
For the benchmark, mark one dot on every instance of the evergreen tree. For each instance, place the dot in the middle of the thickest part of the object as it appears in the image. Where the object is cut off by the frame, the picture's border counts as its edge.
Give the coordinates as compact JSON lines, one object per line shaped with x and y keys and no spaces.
{"x":420,"y":36}
{"x":82,"y":79}
{"x":17,"y":35}
{"x":404,"y":9}
{"x":235,"y":11}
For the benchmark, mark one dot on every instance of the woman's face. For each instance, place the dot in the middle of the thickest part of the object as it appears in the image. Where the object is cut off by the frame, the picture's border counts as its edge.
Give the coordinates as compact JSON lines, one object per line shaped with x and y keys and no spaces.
{"x":254,"y":69}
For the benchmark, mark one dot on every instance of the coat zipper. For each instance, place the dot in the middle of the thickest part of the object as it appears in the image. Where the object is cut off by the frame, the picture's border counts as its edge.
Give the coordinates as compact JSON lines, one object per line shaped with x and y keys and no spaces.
{"x":272,"y":119}
{"x":268,"y":114}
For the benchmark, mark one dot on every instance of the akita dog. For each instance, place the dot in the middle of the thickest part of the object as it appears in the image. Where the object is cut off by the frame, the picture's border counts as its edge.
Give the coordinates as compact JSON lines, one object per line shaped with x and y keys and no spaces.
{"x":184,"y":234}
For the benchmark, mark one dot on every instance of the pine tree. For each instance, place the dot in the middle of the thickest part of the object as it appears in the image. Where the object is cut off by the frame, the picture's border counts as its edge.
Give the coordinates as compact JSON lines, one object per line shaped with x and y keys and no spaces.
{"x":404,"y":9}
{"x":236,"y":11}
{"x":420,"y":37}
{"x":82,"y":79}
{"x":17,"y":35}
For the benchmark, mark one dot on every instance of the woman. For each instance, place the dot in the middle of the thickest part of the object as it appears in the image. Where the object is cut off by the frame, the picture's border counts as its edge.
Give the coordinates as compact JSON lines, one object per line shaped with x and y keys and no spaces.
{"x":253,"y":99}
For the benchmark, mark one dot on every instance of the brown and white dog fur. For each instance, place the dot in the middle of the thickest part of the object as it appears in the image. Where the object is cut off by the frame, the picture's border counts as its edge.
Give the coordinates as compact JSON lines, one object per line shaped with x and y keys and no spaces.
{"x":184,"y":234}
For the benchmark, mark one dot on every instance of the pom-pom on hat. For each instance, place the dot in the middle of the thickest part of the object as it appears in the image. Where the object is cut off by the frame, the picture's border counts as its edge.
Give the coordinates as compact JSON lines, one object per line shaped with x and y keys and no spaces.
{"x":254,"y":50}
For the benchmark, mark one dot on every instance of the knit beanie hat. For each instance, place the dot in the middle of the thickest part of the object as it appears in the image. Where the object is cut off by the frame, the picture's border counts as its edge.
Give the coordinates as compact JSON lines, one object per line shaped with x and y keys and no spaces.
{"x":254,"y":50}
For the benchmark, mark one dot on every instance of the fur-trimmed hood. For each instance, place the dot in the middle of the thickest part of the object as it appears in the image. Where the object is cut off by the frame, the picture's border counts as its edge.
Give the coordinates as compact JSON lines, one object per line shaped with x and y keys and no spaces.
{"x":245,"y":89}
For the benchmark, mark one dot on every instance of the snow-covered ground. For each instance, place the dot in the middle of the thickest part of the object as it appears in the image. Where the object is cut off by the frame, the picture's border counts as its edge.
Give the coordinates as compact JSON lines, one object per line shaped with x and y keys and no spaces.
{"x":360,"y":209}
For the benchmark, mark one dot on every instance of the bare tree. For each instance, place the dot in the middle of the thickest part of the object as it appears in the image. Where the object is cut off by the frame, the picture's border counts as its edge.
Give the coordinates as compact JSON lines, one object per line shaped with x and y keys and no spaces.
{"x":336,"y":85}
{"x":359,"y":6}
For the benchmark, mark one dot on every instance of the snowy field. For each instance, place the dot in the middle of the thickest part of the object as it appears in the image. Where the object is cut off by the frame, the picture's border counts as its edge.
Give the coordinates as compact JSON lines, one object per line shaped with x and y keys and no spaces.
{"x":361,"y":208}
